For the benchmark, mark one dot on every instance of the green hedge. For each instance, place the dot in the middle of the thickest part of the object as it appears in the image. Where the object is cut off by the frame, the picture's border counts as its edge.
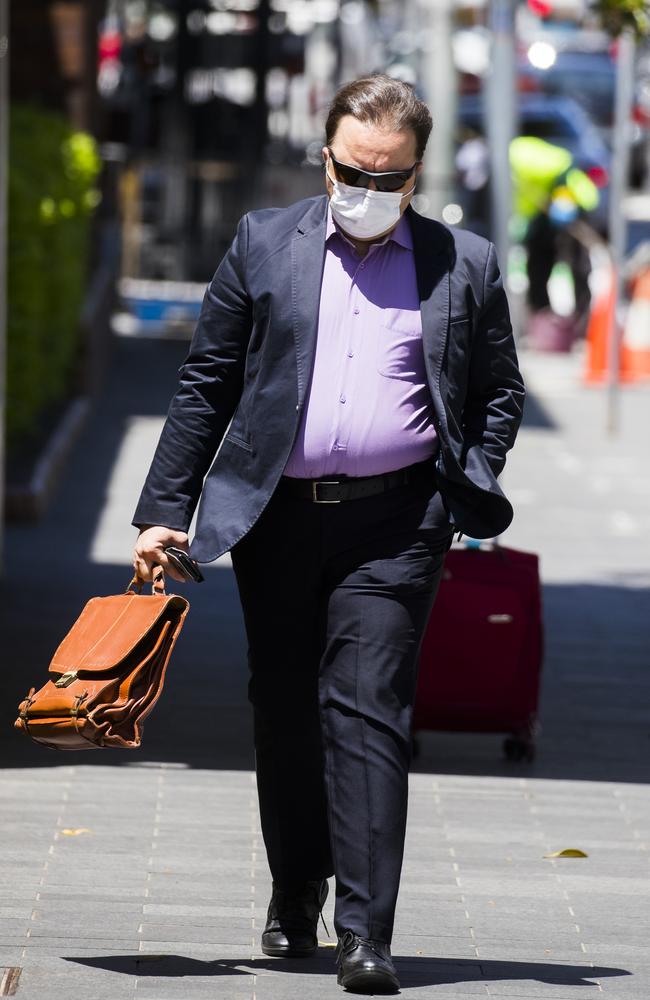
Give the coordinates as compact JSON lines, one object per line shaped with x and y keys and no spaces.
{"x":52,"y":171}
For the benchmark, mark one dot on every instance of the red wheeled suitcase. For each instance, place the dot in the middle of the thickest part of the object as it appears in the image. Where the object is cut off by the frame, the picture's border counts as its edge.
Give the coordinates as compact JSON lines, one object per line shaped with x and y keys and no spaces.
{"x":549,"y":332}
{"x":481,"y":655}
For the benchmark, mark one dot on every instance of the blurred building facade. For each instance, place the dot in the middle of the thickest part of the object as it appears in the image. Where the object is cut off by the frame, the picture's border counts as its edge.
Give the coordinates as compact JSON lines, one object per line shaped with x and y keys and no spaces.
{"x":218,"y":106}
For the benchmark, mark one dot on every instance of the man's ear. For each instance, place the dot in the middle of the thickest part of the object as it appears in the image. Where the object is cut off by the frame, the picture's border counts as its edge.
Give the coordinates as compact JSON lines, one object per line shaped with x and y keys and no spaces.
{"x":419,"y":169}
{"x":326,"y":154}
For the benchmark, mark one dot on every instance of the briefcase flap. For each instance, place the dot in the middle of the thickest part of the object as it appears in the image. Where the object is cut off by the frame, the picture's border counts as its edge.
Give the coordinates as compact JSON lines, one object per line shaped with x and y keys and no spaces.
{"x":109,"y":628}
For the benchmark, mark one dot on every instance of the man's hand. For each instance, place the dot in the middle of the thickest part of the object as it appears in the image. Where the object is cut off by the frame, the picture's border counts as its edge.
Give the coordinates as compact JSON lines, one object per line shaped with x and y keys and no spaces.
{"x":149,"y":550}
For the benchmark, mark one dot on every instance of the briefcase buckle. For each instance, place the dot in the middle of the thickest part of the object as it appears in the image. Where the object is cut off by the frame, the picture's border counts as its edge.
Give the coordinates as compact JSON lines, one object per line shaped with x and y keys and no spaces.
{"x":66,"y":679}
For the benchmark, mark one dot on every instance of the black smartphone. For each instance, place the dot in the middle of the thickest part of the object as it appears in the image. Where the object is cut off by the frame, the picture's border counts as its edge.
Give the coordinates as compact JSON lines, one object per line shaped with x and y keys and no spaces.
{"x":182,"y":562}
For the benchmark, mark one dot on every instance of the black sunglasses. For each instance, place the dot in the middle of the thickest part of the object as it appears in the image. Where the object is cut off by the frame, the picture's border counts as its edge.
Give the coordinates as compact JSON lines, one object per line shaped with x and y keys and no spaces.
{"x":387,"y":180}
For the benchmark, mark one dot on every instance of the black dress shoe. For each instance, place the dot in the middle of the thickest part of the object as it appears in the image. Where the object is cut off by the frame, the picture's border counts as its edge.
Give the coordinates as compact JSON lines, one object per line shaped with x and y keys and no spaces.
{"x":365,"y":966}
{"x":292,"y":920}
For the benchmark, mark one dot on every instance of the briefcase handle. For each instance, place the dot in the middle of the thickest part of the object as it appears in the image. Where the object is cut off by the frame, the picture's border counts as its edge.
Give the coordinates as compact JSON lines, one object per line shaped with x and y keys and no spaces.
{"x":157,"y":584}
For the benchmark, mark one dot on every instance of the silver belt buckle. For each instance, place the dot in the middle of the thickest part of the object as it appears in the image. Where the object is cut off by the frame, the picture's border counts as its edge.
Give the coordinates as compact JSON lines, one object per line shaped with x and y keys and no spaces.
{"x":322,"y":482}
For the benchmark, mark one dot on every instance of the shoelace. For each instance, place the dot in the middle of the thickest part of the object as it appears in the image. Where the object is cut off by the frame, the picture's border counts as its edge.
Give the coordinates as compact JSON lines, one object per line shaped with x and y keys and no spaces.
{"x":292,"y":907}
{"x":327,"y":931}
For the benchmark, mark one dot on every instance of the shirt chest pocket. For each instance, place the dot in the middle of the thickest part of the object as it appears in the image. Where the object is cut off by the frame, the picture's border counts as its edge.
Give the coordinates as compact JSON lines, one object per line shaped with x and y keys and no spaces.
{"x":400,"y":353}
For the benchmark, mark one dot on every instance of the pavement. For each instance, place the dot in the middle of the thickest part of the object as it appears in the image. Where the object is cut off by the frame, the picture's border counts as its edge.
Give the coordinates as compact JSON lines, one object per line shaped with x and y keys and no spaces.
{"x":143,"y":874}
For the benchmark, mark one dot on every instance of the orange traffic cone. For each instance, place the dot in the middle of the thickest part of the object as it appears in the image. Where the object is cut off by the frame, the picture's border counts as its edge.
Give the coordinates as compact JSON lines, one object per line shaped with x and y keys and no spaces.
{"x":634,"y":339}
{"x":635,"y":359}
{"x":601,"y":318}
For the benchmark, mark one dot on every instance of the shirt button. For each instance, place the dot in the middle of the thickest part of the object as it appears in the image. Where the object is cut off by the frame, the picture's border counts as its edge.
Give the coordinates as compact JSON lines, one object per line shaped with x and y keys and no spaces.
{"x":342,"y":398}
{"x":350,"y":354}
{"x":356,"y":312}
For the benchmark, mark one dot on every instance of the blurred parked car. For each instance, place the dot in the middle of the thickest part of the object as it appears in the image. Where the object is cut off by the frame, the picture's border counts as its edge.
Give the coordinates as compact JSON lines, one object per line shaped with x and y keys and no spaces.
{"x":590,"y":78}
{"x":561,"y":121}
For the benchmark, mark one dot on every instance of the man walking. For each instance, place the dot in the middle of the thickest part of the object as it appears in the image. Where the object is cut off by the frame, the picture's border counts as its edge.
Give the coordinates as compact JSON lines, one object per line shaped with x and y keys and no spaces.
{"x":353,"y":369}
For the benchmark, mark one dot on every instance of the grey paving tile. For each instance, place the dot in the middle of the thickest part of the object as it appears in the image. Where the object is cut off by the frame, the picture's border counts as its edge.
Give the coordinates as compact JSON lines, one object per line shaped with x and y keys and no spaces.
{"x":89,"y":941}
{"x":237,"y":893}
{"x":71,"y":874}
{"x":421,"y":986}
{"x":207,"y":951}
{"x":195,"y":911}
{"x":36,"y":989}
{"x":216,"y":990}
{"x":511,"y":929}
{"x":418,"y":924}
{"x":99,"y":893}
{"x":10,"y":955}
{"x":609,"y":951}
{"x":223,"y":932}
{"x":22,"y":912}
{"x":19,"y":895}
{"x":10,"y":926}
{"x":64,"y":948}
{"x":88,"y":924}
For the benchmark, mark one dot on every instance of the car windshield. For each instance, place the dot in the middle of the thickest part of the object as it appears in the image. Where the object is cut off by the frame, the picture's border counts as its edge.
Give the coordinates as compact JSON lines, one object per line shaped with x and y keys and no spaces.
{"x":594,"y":90}
{"x":556,"y":127}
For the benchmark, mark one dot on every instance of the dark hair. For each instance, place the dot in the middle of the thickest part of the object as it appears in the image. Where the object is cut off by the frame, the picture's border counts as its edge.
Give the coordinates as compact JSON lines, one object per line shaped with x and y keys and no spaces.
{"x":381,"y":100}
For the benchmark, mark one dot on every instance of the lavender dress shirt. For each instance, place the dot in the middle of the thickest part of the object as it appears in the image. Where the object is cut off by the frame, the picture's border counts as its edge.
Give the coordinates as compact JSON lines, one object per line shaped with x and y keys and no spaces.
{"x":368,"y":409}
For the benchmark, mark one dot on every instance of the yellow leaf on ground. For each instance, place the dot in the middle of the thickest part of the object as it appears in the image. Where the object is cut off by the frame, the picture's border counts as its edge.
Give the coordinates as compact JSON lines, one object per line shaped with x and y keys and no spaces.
{"x":75,"y":833}
{"x":568,"y":852}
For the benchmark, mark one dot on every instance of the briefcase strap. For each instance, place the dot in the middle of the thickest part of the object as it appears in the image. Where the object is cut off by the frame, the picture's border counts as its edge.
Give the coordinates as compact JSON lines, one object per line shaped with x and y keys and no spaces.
{"x":157,"y":584}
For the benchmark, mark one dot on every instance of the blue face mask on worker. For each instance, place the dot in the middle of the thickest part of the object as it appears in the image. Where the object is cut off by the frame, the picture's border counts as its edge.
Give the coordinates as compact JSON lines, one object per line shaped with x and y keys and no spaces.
{"x":563,"y":210}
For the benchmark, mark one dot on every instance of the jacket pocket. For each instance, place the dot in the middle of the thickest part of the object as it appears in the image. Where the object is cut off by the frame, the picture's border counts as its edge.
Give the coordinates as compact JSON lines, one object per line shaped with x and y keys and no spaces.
{"x":239,"y":441}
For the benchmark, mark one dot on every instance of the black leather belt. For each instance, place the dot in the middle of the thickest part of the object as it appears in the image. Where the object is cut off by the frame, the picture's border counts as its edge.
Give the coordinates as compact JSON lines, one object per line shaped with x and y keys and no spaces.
{"x":336,"y":490}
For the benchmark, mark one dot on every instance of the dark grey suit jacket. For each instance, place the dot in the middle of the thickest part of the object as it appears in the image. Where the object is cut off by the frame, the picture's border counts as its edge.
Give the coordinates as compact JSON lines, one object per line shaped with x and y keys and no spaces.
{"x":243,"y":383}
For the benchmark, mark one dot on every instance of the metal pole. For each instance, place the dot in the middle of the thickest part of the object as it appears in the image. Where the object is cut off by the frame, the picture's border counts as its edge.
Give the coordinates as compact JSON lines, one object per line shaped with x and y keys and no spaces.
{"x":259,"y":139}
{"x":500,"y":122}
{"x":175,"y":151}
{"x":438,"y":77}
{"x":4,"y":170}
{"x":617,"y":222}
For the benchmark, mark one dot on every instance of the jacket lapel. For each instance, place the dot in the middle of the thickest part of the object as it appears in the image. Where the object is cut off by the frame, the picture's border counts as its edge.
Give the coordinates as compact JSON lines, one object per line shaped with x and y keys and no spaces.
{"x":433,"y":249}
{"x":307,"y":261}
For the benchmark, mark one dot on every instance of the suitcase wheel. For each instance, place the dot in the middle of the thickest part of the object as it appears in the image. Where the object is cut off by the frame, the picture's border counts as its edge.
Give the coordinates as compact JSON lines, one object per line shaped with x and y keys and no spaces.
{"x":517,"y":748}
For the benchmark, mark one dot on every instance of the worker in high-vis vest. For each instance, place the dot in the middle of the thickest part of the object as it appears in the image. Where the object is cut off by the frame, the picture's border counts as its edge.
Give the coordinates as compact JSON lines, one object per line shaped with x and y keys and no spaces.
{"x":550,"y":193}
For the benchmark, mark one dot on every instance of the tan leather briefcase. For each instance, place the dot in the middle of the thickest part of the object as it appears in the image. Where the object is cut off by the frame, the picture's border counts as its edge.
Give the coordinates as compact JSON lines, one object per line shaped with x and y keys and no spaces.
{"x":108,"y":672}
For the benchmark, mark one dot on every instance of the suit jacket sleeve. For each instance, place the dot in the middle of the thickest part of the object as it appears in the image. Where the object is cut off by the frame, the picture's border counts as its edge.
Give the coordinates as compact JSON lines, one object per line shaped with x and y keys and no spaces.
{"x":209,"y":389}
{"x":495,"y":394}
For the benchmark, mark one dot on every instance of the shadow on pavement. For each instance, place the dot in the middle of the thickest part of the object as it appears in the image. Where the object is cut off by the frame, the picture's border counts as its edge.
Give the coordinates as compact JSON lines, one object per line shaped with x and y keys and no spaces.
{"x":413,"y":970}
{"x":535,"y":413}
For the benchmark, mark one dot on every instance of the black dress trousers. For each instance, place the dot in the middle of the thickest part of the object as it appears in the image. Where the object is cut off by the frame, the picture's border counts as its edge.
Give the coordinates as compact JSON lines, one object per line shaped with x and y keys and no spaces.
{"x":336,"y":598}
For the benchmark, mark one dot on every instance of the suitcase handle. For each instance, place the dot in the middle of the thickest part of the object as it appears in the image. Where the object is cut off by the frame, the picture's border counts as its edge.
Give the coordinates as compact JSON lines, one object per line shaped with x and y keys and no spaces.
{"x":481,"y":544}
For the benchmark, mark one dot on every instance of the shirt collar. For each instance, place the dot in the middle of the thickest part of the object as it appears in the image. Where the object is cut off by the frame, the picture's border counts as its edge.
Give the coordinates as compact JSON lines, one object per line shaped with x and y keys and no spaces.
{"x":401,"y":234}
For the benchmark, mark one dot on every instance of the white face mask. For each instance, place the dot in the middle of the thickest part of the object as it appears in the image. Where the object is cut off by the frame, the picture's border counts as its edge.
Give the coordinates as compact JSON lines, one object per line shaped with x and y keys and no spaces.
{"x":364,"y":214}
